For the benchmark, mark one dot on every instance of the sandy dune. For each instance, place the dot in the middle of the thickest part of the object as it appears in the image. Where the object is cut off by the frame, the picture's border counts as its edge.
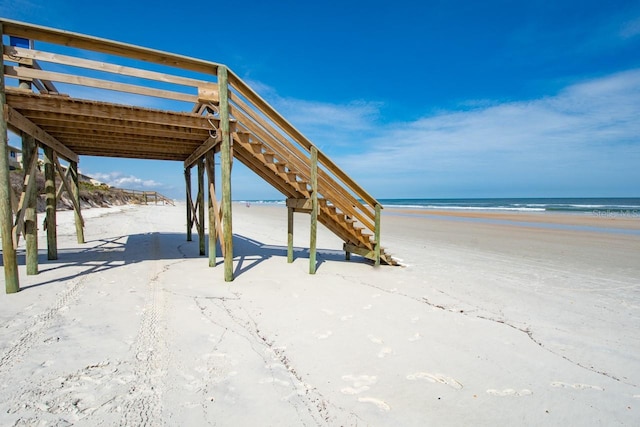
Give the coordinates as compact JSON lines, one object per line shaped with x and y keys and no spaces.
{"x":490,"y":323}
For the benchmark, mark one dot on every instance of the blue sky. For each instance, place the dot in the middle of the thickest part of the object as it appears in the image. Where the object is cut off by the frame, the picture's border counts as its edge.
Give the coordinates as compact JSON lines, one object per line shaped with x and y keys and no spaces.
{"x":433,"y":99}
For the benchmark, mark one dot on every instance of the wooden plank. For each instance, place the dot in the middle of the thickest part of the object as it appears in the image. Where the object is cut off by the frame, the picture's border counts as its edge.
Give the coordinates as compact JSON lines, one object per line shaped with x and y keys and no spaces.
{"x":50,"y":192}
{"x":206,"y":146}
{"x":68,"y":187}
{"x":12,"y":52}
{"x":306,"y":204}
{"x":225,"y":154}
{"x":25,"y":125}
{"x":314,"y":210}
{"x":364,"y":252}
{"x":217,"y":212}
{"x":96,"y":44}
{"x":30,"y":73}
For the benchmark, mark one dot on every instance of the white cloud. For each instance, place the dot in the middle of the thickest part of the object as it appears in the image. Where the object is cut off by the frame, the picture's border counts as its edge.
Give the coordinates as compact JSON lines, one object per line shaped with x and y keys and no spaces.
{"x":129,"y":182}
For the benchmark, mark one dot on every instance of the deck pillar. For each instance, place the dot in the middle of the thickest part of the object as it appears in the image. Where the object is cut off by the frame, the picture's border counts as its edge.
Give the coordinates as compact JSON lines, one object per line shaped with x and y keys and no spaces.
{"x":377,"y":235}
{"x":314,"y":210}
{"x":200,"y":204}
{"x":12,"y":283}
{"x":211,"y":181}
{"x":187,"y":181}
{"x":290,"y":212}
{"x":75,"y":189}
{"x":226,"y":158}
{"x":30,"y":149}
{"x":50,"y":192}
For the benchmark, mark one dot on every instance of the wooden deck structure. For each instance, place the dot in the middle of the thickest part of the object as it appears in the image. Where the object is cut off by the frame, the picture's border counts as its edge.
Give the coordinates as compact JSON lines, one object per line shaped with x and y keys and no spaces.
{"x":216,"y":113}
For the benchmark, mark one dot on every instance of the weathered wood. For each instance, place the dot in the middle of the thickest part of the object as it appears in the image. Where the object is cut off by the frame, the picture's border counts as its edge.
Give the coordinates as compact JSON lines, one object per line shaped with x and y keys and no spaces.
{"x":290,"y":212}
{"x":377,"y":235}
{"x":187,"y":180}
{"x":69,"y":185}
{"x":359,"y":250}
{"x":50,"y":192}
{"x":300,"y":204}
{"x":314,"y":210}
{"x":30,"y":73}
{"x":209,"y":161}
{"x":29,"y":150}
{"x":27,"y":126}
{"x":10,"y":262}
{"x":12,"y":52}
{"x":96,"y":44}
{"x":206,"y":146}
{"x":201,"y":206}
{"x":75,"y":191}
{"x":225,"y":154}
{"x":27,"y":187}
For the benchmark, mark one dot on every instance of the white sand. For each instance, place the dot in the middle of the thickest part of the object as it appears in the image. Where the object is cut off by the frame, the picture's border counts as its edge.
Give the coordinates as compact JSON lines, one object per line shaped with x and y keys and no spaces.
{"x":488,"y":325}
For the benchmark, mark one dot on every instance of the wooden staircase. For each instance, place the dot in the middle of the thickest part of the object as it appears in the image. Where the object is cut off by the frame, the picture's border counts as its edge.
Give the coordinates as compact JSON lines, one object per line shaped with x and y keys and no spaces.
{"x":276,"y":160}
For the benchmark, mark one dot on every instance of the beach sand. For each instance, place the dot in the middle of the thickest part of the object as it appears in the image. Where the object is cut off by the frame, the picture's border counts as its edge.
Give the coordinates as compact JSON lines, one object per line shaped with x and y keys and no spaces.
{"x":495,"y":319}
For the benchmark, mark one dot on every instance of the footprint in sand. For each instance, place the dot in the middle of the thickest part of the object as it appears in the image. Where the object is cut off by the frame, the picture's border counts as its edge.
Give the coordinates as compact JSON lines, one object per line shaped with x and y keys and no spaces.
{"x":324,"y":335}
{"x":575,"y":386}
{"x":385,"y":352}
{"x":509,"y":392}
{"x":382,"y":405}
{"x":436,"y":378}
{"x":415,"y":337}
{"x":359,"y":383}
{"x":374,"y":339}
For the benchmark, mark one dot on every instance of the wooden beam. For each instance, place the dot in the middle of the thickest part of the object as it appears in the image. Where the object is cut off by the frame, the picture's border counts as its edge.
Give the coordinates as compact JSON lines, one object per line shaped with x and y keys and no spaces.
{"x":201,"y":205}
{"x":314,"y":210}
{"x":359,"y":250}
{"x":206,"y":146}
{"x":209,"y":162}
{"x":27,"y":187}
{"x":30,"y":150}
{"x":30,"y":73}
{"x":50,"y":192}
{"x":96,"y":44}
{"x":290,"y":212}
{"x":12,"y":52}
{"x":10,"y":262}
{"x":377,"y":235}
{"x":187,"y":181}
{"x":25,"y":125}
{"x":226,"y":156}
{"x":75,"y":196}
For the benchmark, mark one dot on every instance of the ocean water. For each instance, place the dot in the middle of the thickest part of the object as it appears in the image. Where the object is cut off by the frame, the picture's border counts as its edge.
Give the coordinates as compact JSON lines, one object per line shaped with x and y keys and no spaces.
{"x":595,"y":206}
{"x":605,"y":206}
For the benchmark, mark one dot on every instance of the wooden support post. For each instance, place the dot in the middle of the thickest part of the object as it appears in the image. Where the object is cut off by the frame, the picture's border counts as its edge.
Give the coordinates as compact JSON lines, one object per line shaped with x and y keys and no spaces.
{"x":290,"y":212}
{"x":50,"y":191}
{"x":187,"y":180}
{"x":314,"y":210}
{"x":211,"y":180}
{"x":12,"y":284}
{"x":225,"y":154}
{"x":201,"y":205}
{"x":75,"y":190}
{"x":377,"y":235}
{"x":29,"y":150}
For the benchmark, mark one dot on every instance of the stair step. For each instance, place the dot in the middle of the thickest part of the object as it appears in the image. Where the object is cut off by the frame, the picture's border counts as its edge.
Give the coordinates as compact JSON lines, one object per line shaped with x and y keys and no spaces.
{"x":256,"y":146}
{"x":243,"y":137}
{"x":281,"y":167}
{"x":292,"y":176}
{"x":268,"y":156}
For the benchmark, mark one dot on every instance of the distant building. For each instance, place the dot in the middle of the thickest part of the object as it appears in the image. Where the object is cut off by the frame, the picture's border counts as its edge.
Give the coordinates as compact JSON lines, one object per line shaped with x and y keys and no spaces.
{"x":15,"y":158}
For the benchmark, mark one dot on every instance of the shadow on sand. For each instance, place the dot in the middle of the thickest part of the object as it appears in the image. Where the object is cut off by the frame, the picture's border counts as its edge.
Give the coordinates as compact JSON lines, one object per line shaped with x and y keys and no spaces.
{"x":113,"y":252}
